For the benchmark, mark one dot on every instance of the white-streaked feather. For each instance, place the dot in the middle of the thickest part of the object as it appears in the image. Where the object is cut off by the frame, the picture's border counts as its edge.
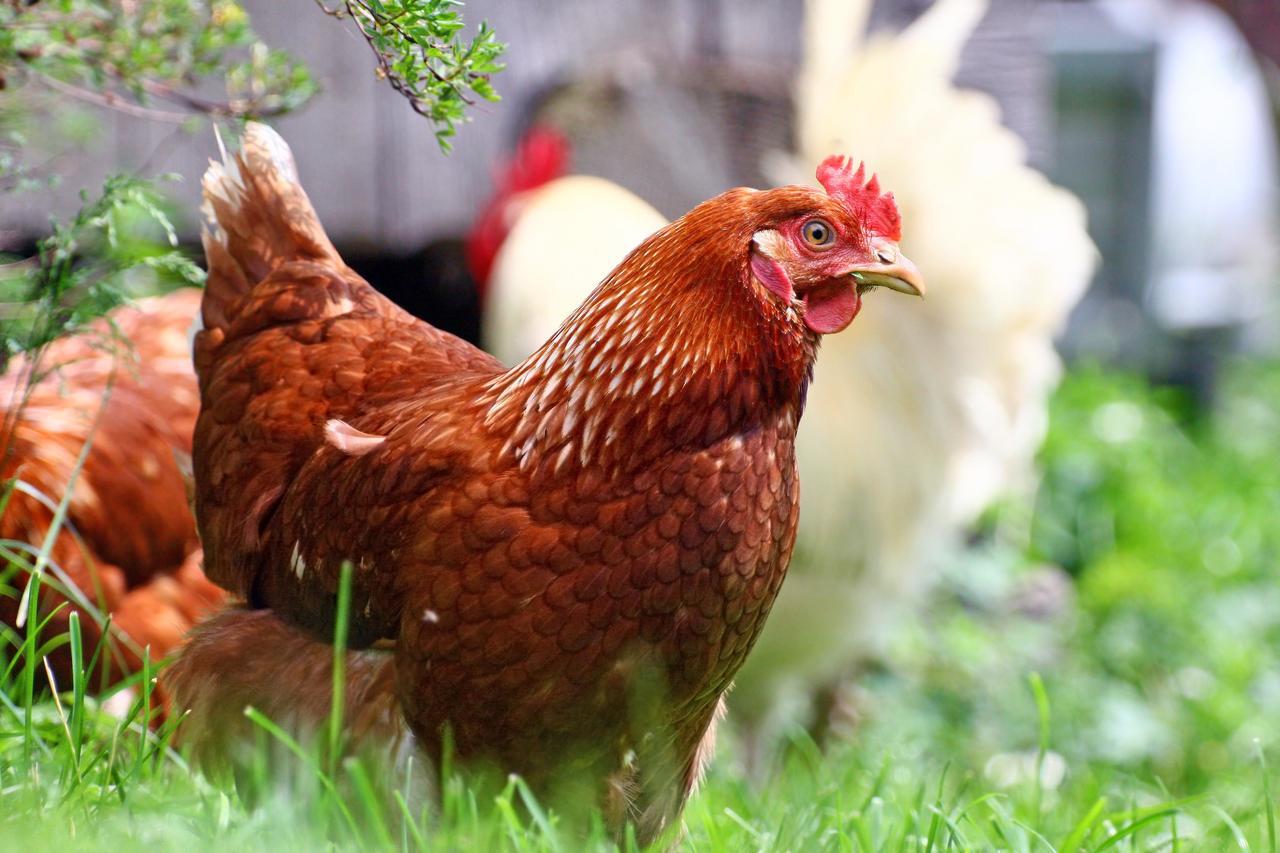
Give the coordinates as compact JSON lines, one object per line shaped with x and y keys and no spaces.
{"x":535,"y":283}
{"x":351,"y":441}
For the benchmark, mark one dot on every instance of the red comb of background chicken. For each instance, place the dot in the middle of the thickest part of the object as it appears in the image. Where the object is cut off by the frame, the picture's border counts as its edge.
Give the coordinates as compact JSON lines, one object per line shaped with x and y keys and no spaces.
{"x":877,"y":209}
{"x":541,"y":157}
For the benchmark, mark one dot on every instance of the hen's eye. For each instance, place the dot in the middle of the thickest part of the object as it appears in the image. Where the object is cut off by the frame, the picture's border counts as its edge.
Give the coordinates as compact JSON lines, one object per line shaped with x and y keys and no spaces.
{"x":818,"y":233}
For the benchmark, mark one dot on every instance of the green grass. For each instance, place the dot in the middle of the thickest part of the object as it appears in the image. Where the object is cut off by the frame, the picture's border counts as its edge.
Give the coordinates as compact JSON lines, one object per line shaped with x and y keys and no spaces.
{"x":1100,"y":671}
{"x":97,"y":783}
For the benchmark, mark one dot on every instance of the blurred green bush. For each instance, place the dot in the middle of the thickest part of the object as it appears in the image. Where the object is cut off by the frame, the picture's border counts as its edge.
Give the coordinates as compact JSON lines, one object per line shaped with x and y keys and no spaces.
{"x":1140,"y":581}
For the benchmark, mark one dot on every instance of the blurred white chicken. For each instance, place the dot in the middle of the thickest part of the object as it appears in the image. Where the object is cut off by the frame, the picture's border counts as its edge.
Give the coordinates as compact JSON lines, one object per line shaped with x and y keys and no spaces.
{"x":924,"y":413}
{"x":533,"y":287}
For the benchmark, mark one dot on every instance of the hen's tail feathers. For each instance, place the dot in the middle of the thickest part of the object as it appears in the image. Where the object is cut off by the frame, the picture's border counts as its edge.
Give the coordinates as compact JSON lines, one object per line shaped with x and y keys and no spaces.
{"x":257,"y":216}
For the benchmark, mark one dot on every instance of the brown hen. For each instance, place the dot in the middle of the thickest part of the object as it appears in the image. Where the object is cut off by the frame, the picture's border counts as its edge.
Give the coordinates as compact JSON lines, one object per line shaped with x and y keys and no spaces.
{"x":128,"y":550}
{"x":571,"y":557}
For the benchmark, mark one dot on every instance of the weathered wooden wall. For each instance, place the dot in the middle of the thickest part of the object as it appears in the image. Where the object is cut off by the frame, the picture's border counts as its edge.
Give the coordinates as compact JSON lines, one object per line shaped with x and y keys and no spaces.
{"x":372,"y":166}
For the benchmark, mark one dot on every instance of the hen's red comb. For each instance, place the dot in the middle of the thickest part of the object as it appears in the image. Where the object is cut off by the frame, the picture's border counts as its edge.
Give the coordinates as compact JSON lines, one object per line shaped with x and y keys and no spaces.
{"x":541,"y":156}
{"x":878,"y":210}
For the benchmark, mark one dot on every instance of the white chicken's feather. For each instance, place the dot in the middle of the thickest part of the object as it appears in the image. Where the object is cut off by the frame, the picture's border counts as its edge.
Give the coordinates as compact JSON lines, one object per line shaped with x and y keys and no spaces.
{"x":923,"y":412}
{"x":534,"y":285}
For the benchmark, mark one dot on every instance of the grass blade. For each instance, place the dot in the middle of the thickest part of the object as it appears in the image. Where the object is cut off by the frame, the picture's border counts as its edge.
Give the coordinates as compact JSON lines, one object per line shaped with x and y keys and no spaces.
{"x":338,"y":694}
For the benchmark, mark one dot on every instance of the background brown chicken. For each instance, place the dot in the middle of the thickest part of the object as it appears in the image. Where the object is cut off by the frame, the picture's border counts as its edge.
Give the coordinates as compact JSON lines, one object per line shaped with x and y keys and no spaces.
{"x":127,"y":549}
{"x":571,"y":557}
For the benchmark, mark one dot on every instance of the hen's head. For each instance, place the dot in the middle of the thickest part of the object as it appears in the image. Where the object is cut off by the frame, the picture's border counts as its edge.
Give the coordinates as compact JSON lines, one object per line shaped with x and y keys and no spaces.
{"x":819,"y":252}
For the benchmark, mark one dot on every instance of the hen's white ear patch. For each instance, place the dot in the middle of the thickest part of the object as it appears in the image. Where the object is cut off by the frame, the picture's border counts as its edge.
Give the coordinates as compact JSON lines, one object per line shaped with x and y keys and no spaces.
{"x":769,"y":242}
{"x":350,"y":440}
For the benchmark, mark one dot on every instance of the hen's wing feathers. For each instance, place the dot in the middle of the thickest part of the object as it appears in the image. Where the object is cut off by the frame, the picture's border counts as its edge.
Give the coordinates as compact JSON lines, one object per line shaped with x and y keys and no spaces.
{"x":367,"y":505}
{"x":264,"y":437}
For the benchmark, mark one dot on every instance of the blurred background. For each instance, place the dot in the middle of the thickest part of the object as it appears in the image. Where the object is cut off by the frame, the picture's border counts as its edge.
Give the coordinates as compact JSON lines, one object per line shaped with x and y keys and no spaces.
{"x":1155,"y":112}
{"x":1065,"y":464}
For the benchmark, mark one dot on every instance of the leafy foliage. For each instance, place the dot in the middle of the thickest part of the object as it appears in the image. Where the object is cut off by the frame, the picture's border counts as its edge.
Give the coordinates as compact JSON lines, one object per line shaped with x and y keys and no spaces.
{"x":420,"y":52}
{"x":117,"y":245}
{"x":1140,"y":584}
{"x":149,"y":59}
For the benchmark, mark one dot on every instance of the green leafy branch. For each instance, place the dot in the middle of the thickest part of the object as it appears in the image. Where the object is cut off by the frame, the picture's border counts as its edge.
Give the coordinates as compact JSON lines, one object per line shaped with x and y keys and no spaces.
{"x":148,"y":59}
{"x":160,"y":60}
{"x":420,"y":52}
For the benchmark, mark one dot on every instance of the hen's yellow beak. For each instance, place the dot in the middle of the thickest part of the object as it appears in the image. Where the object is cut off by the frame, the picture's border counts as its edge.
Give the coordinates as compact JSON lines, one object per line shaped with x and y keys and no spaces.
{"x":892,"y":269}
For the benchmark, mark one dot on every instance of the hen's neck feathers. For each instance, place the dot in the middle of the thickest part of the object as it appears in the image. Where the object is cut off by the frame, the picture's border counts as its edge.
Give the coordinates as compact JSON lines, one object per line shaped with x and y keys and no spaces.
{"x":679,"y":347}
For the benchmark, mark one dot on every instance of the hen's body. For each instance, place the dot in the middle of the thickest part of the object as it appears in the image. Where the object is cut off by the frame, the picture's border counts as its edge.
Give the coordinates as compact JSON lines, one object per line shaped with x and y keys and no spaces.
{"x":572,"y":557}
{"x":528,"y":602}
{"x":129,"y":547}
